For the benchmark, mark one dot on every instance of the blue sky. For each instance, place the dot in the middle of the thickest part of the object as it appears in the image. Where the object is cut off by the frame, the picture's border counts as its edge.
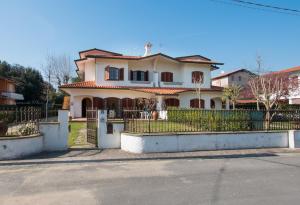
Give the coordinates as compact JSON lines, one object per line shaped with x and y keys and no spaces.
{"x":230,"y":34}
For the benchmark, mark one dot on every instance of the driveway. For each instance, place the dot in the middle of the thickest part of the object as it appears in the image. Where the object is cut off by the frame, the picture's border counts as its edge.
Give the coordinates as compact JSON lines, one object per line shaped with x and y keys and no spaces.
{"x":240,"y":180}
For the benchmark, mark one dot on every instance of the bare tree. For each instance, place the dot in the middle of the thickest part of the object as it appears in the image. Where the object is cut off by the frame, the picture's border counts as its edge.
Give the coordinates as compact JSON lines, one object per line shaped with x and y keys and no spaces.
{"x":198,"y":85}
{"x":60,"y":67}
{"x":269,"y":89}
{"x":232,"y":93}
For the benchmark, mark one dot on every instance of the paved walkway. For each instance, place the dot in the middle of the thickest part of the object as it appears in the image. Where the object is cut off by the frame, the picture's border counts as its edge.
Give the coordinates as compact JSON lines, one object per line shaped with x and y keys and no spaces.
{"x":88,"y":154}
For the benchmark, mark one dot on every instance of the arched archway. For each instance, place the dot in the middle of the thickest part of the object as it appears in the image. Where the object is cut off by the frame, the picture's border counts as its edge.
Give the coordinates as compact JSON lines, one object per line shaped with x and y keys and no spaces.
{"x":172,"y":102}
{"x":85,"y":103}
{"x":194,"y":103}
{"x":127,"y":103}
{"x":212,"y":104}
{"x":98,"y":103}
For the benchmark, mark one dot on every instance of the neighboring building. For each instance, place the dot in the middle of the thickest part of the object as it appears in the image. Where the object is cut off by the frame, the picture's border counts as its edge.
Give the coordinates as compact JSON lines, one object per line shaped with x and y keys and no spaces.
{"x":294,"y":74}
{"x":8,"y":95}
{"x":238,"y":77}
{"x":114,"y":81}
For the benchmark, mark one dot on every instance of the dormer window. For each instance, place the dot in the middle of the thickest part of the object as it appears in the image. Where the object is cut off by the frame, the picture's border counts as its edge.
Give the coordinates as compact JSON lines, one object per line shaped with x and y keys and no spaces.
{"x":197,"y":76}
{"x":113,"y":73}
{"x":167,"y":77}
{"x":139,"y":75}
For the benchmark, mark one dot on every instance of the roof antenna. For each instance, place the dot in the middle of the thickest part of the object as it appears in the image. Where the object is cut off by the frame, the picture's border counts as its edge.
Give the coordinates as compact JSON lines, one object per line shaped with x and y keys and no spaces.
{"x":148,"y":47}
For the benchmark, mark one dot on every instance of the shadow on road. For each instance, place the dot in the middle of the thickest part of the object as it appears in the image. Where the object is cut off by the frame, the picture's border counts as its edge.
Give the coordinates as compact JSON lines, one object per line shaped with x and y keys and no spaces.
{"x":38,"y":160}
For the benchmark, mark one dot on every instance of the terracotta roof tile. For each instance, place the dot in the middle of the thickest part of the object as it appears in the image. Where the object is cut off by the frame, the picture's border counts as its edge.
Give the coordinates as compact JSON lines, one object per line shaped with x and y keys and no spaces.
{"x":155,"y":90}
{"x":289,"y":70}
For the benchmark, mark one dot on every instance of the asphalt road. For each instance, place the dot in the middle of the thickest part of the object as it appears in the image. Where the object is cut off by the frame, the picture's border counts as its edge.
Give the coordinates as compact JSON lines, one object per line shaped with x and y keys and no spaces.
{"x":251,"y":180}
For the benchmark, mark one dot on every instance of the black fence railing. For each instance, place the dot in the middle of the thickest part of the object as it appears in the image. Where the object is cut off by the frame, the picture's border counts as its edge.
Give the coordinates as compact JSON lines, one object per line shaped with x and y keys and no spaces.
{"x":197,"y":120}
{"x":19,"y":121}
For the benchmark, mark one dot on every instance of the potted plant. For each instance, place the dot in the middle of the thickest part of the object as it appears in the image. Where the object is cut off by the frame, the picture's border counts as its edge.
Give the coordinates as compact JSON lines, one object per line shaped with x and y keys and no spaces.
{"x":149,"y":105}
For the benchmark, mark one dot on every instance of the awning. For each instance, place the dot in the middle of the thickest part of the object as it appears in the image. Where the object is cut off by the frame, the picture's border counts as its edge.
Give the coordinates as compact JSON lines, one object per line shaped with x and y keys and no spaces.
{"x":14,"y":96}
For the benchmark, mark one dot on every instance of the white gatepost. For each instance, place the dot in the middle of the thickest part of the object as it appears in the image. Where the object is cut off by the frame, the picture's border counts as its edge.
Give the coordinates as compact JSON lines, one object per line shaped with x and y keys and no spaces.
{"x":55,"y":134}
{"x":291,"y":138}
{"x":102,"y":128}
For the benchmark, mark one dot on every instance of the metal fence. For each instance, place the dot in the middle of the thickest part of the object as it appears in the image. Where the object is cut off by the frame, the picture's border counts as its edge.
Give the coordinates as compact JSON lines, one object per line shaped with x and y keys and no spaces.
{"x":19,"y":121}
{"x":197,"y":120}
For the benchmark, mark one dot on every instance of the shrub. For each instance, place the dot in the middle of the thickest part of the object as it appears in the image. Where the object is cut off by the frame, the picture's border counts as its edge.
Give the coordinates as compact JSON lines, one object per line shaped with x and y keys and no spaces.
{"x":217,"y":120}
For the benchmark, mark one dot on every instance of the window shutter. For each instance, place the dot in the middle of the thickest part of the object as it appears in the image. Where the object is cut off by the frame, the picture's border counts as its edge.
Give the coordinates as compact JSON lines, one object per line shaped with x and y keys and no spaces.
{"x":146,"y":76}
{"x":162,"y":75}
{"x":202,"y":103}
{"x":196,"y":76}
{"x":201,"y":76}
{"x":131,"y":75}
{"x":106,"y":76}
{"x":193,"y":77}
{"x":192,"y":103}
{"x":121,"y":74}
{"x":171,"y":77}
{"x":168,"y":77}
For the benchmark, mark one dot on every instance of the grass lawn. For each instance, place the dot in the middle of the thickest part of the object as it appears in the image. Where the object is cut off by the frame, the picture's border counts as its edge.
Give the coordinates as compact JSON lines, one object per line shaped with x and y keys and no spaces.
{"x":74,"y":133}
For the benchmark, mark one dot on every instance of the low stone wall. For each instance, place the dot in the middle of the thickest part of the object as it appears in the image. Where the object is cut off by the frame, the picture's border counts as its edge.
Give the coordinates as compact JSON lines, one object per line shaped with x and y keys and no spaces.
{"x":297,"y":139}
{"x":53,"y":137}
{"x":203,"y":141}
{"x":17,"y":147}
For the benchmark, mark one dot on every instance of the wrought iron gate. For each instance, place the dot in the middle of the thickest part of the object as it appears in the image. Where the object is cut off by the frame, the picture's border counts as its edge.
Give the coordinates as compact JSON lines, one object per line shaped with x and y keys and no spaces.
{"x":92,"y":125}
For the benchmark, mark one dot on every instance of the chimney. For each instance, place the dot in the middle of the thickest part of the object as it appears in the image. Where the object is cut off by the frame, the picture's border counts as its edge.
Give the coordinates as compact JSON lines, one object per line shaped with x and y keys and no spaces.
{"x":147,"y":49}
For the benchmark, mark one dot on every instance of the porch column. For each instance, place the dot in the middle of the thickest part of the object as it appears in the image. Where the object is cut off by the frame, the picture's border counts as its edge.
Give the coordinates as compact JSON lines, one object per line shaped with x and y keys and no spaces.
{"x":227,"y":104}
{"x":159,"y":104}
{"x":207,"y":104}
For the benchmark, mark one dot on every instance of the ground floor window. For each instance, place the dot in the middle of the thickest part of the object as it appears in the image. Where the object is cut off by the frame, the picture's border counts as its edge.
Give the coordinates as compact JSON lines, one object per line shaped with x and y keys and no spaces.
{"x":98,"y":103}
{"x":127,"y":103}
{"x":172,"y":102}
{"x":212,"y":104}
{"x":194,"y":103}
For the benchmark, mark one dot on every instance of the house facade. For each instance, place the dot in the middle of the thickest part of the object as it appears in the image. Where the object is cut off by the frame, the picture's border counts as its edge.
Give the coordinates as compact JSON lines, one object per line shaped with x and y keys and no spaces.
{"x":115,"y":81}
{"x":238,"y":77}
{"x":294,"y":75}
{"x":8,"y":95}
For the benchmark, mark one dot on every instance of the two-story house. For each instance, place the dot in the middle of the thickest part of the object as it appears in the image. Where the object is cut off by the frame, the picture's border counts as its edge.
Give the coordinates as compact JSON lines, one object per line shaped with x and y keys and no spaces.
{"x":294,"y":75}
{"x":115,"y":81}
{"x":237,"y":77}
{"x":8,"y":95}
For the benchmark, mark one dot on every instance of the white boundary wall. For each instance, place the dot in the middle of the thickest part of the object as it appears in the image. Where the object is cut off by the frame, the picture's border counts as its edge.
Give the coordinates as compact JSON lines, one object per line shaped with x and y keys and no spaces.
{"x":55,"y":134}
{"x":203,"y":141}
{"x":16,"y":147}
{"x":106,"y":140}
{"x":53,"y":137}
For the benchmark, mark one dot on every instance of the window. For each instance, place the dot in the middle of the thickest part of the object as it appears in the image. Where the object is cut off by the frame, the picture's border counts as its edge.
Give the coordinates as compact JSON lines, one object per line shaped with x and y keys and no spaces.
{"x":240,"y":78}
{"x":197,"y":76}
{"x":112,"y":73}
{"x":212,"y":104}
{"x":127,"y":103}
{"x":167,"y":77}
{"x":295,"y":81}
{"x":232,"y":78}
{"x":172,"y":102}
{"x":139,"y":75}
{"x":194,"y":103}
